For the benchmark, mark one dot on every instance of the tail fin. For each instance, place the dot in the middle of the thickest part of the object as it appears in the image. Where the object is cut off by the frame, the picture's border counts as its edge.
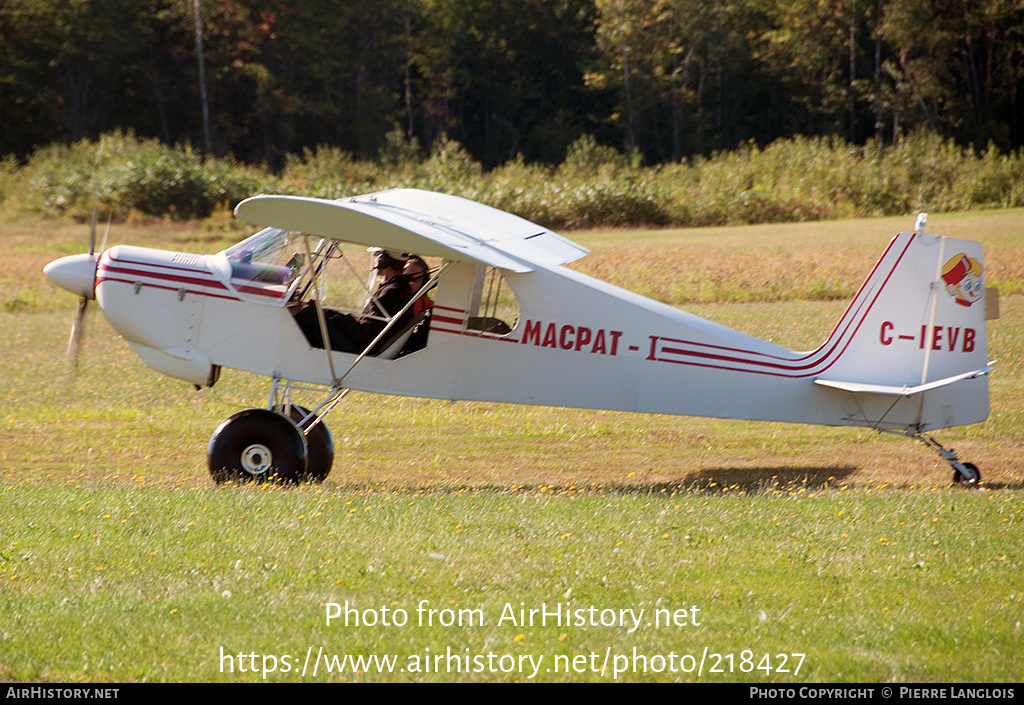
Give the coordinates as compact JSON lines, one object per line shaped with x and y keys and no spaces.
{"x":916,"y":329}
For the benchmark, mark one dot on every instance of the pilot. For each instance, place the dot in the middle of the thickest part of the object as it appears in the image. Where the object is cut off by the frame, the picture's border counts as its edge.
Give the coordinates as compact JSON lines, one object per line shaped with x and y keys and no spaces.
{"x":391,"y":296}
{"x":353,"y":334}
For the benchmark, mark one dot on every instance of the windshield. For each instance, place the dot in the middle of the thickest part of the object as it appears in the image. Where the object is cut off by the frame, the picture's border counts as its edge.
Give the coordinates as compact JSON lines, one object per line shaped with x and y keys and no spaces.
{"x":272,"y":256}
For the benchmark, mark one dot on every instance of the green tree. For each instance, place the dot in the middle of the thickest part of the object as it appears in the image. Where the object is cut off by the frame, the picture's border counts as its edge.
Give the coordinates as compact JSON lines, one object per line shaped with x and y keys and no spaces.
{"x":811,"y":47}
{"x":504,"y":78}
{"x":72,"y":63}
{"x":684,"y":74}
{"x":956,"y":66}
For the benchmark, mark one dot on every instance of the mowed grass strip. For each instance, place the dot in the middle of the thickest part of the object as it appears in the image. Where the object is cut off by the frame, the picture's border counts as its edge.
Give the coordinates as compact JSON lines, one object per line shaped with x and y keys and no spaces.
{"x":871,"y":585}
{"x":120,"y":560}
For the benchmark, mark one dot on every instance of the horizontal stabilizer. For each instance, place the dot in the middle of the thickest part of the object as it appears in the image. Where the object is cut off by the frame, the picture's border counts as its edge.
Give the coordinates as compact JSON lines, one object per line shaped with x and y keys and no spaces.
{"x":904,"y":391}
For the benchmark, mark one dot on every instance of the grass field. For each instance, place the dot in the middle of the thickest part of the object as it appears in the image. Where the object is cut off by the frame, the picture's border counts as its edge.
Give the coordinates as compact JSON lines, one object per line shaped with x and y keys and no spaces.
{"x":775,"y":553}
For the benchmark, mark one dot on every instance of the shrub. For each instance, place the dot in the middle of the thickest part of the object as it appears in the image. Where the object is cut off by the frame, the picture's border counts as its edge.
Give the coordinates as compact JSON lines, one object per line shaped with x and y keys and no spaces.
{"x":180,"y":184}
{"x":585,"y":157}
{"x":124,"y":174}
{"x":789,"y":180}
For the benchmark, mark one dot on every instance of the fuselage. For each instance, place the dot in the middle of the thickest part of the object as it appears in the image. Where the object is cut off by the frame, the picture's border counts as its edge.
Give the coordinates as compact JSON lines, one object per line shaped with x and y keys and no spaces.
{"x":577,"y":342}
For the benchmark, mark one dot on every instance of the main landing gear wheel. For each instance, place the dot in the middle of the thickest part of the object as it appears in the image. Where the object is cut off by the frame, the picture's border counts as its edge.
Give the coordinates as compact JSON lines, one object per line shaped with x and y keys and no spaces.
{"x":320,"y":445}
{"x":257,"y":446}
{"x":968,"y":480}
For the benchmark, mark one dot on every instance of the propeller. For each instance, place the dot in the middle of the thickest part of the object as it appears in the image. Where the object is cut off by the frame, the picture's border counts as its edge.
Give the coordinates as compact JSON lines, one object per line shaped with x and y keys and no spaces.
{"x":77,"y":330}
{"x":78,"y":323}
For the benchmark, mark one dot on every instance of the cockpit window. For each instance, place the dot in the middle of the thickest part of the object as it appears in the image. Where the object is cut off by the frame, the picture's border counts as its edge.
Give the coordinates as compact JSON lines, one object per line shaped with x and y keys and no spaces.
{"x":494,"y":308}
{"x":271,"y":256}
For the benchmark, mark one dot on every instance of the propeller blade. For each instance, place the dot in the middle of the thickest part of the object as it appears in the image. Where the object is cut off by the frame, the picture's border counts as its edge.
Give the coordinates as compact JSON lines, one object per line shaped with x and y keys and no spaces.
{"x":106,"y":233}
{"x":78,"y":323}
{"x":92,"y":226}
{"x":77,"y":331}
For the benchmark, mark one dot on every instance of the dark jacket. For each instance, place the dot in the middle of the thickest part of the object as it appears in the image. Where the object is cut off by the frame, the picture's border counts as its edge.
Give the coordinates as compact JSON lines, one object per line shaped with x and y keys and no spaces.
{"x":352,"y":334}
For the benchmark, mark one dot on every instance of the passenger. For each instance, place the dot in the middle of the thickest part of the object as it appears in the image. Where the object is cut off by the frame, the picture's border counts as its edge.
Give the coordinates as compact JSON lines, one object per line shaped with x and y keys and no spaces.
{"x":395,"y":291}
{"x":419,"y":273}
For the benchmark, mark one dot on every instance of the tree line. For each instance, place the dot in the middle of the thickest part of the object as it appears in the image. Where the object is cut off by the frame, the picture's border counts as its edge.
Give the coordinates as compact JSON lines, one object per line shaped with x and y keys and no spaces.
{"x":258,"y":80}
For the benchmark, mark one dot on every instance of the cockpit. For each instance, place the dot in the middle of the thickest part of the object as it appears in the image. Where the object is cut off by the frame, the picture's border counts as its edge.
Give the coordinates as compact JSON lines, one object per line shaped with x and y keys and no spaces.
{"x":329,"y":296}
{"x":335,"y":292}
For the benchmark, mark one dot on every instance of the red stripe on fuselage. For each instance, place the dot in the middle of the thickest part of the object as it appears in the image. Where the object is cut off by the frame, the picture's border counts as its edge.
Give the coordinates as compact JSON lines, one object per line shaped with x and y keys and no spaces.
{"x":854,"y":317}
{"x":200,"y":278}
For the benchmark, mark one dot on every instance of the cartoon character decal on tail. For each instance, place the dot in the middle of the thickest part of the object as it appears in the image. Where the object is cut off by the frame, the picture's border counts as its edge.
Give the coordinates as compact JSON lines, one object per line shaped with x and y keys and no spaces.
{"x":963,"y":278}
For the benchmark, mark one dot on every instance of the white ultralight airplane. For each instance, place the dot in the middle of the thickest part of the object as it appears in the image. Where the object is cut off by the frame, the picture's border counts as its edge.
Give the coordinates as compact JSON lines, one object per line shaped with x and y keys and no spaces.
{"x":908,"y":356}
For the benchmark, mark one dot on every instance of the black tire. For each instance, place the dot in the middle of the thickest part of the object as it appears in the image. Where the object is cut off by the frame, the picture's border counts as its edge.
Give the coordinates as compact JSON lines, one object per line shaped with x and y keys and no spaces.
{"x":320,"y":445}
{"x":257,"y":445}
{"x":960,"y":479}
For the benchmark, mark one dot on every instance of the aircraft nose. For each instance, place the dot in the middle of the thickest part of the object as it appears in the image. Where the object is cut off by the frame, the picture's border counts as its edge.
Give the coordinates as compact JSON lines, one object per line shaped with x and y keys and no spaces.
{"x":76,"y":273}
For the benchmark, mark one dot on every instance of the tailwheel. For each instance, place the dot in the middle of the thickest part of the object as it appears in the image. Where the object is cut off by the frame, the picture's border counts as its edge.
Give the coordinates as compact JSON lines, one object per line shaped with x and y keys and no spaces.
{"x":964,"y":474}
{"x":969,"y":478}
{"x":257,"y":445}
{"x":320,"y":445}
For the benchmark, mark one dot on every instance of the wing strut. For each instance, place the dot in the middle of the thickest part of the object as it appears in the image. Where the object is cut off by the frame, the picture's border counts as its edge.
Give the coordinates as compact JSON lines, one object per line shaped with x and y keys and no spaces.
{"x":321,"y":319}
{"x":280,"y":394}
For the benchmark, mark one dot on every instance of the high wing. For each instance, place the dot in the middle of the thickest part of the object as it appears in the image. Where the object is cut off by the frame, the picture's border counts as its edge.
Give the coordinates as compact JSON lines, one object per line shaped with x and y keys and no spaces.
{"x":420,"y":222}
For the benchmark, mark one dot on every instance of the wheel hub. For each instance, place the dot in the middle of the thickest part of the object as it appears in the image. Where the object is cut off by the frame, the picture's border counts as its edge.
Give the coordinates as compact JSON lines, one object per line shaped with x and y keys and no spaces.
{"x":257,"y":459}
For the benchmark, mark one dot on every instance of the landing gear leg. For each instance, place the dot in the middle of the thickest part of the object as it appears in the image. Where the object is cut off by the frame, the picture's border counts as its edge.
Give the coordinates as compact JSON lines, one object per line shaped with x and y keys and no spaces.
{"x":318,"y":441}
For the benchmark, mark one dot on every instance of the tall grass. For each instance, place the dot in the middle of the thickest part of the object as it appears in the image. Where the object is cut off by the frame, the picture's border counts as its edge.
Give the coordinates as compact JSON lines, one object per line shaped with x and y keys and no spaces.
{"x":789,"y":180}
